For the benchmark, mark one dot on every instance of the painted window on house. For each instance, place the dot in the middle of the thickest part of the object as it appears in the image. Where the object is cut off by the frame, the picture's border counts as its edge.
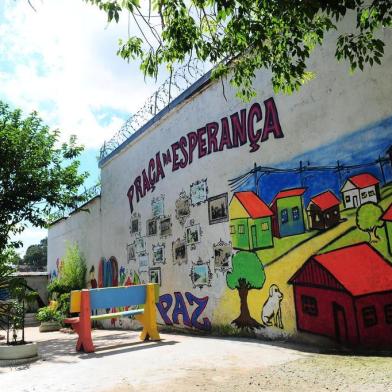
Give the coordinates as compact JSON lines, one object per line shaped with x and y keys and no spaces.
{"x":347,"y":198}
{"x":369,"y":316}
{"x":317,"y":217}
{"x":327,"y":215}
{"x":388,"y":313}
{"x":232,"y":229}
{"x":241,"y":229}
{"x":295,"y":213}
{"x":309,"y":305}
{"x":335,"y":212}
{"x":372,"y":193}
{"x":264,"y":226}
{"x":284,"y":216}
{"x":364,"y":195}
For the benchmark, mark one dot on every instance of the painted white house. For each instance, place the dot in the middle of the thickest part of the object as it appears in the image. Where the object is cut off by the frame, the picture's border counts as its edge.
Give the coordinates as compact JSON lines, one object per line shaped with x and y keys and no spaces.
{"x":360,"y":189}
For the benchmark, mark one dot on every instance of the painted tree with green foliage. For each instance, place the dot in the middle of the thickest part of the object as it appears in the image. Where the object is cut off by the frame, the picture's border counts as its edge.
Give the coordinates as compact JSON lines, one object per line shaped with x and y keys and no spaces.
{"x":369,"y":220}
{"x":247,"y":274}
{"x":239,"y":37}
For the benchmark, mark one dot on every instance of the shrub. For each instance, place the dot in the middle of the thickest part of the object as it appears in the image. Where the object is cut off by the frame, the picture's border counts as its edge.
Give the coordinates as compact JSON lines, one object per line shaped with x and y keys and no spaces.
{"x":72,"y":274}
{"x":48,"y":313}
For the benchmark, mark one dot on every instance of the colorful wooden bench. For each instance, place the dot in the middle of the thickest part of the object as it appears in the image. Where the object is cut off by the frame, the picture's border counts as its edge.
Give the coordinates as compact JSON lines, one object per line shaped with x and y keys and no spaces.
{"x":85,"y":301}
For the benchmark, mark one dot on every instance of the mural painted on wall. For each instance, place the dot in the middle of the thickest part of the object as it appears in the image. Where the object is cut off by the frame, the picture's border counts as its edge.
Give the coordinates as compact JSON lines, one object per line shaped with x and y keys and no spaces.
{"x":172,"y":306}
{"x":317,"y":233}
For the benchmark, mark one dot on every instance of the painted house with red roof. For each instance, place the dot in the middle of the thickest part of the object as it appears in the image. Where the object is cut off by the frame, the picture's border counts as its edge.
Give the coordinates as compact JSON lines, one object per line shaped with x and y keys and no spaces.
{"x":346,"y":294}
{"x":387,"y":217}
{"x":360,"y":189}
{"x":250,"y":222}
{"x":323,"y":211}
{"x":287,"y":207}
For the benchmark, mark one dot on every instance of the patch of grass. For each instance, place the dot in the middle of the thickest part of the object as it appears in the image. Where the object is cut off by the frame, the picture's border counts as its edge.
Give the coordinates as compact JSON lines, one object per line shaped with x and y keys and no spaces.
{"x":230,"y":330}
{"x":355,"y":236}
{"x":283,"y":245}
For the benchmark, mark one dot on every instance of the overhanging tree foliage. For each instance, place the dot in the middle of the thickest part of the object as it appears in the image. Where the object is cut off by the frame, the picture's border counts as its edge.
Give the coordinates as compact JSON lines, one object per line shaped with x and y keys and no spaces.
{"x":241,"y":36}
{"x":37,"y":177}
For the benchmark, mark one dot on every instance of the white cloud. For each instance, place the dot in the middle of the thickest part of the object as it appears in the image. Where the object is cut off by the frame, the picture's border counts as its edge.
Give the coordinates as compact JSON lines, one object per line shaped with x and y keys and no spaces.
{"x":61,"y":61}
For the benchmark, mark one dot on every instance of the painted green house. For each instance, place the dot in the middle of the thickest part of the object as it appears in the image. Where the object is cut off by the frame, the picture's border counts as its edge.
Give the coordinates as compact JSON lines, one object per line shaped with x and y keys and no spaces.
{"x":387,"y":217}
{"x":288,"y":216}
{"x":250,"y":222}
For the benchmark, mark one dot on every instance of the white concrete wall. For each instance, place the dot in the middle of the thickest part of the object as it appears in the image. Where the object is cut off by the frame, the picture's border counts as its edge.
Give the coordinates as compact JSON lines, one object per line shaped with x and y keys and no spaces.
{"x":83,"y":228}
{"x":333,"y":105}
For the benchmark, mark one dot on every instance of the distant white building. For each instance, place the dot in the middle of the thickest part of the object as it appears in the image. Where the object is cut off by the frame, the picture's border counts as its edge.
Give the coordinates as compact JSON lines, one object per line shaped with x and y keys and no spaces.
{"x":360,"y":189}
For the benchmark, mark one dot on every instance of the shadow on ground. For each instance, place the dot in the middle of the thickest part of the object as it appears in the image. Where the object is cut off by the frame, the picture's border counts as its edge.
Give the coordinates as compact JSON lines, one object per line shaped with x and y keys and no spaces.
{"x":62,"y":350}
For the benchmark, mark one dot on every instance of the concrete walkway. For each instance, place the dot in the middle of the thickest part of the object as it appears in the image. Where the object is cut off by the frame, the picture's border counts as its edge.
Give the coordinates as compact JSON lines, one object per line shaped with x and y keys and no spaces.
{"x":179,"y":362}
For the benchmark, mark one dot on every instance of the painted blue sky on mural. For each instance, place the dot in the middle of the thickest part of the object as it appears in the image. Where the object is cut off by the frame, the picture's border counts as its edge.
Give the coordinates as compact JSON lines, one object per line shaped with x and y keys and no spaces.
{"x":327,"y":165}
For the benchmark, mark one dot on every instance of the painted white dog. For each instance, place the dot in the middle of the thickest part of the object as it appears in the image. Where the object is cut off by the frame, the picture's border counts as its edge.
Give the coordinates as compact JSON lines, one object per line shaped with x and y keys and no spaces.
{"x":272,"y":313}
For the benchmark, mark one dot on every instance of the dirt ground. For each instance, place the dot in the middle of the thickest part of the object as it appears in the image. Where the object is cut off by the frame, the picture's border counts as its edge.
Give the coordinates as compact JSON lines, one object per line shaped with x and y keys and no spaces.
{"x":190,"y":363}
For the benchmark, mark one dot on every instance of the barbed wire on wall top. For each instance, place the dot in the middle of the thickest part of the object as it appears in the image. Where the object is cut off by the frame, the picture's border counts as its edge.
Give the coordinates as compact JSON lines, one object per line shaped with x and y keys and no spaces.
{"x":182,"y":78}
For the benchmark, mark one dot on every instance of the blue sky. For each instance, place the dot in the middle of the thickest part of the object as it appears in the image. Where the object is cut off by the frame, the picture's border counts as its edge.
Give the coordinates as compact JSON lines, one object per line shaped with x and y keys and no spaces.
{"x":61,"y":61}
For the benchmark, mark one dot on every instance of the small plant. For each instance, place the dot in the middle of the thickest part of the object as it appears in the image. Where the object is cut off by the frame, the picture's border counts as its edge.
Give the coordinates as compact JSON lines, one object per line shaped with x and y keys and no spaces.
{"x":72,"y":274}
{"x":49,"y":313}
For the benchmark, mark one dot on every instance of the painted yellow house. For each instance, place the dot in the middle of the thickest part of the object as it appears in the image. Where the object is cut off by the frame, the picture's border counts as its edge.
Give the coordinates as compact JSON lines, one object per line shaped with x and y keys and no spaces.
{"x":250,"y":222}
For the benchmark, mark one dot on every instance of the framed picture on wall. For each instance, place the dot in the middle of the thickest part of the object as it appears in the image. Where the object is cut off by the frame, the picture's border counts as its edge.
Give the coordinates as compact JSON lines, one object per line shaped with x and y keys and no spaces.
{"x":200,"y":274}
{"x":158,"y":251}
{"x":183,"y":207}
{"x":198,"y":192}
{"x":179,"y":252}
{"x":192,"y":234}
{"x":143,"y":262}
{"x":222,"y":256}
{"x":131,"y":254}
{"x":135,"y":224}
{"x":165,"y":226}
{"x":218,"y":209}
{"x":157,"y":206}
{"x":152,"y":227}
{"x":155,"y":275}
{"x":140,"y":245}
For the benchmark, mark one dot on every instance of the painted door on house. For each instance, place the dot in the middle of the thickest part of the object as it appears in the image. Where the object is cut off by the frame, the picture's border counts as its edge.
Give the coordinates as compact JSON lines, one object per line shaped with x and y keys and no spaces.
{"x":355,"y":201}
{"x":254,"y":236}
{"x":339,"y":317}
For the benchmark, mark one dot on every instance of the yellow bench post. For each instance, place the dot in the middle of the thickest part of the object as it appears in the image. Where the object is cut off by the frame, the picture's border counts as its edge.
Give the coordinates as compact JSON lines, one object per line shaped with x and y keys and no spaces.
{"x":149,"y":317}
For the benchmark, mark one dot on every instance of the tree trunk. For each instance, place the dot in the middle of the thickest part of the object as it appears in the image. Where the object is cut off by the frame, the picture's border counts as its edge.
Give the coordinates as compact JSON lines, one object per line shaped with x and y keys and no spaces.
{"x":245,"y":320}
{"x":373,"y":237}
